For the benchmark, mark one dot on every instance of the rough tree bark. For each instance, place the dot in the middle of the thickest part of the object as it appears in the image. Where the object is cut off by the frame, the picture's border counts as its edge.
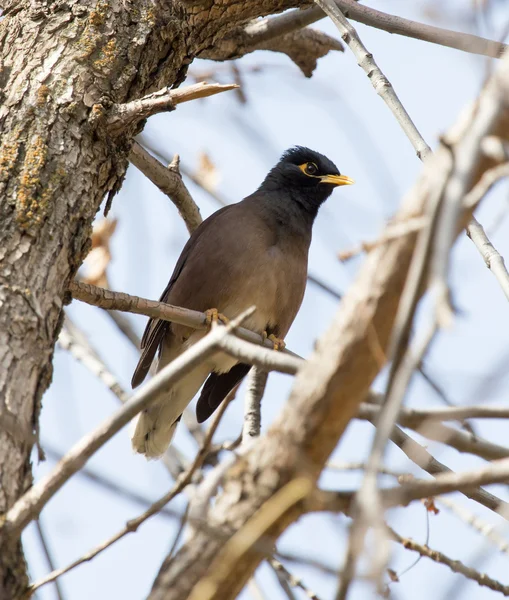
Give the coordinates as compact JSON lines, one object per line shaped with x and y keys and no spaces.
{"x":62,"y":64}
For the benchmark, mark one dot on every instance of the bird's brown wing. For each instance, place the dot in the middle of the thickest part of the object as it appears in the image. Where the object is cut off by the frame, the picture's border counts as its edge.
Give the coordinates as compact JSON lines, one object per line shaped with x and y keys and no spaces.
{"x":216,"y":388}
{"x":156,"y":329}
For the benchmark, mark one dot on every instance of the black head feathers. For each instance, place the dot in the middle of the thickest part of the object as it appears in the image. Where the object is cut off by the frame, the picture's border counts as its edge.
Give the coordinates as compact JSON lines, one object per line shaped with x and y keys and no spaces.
{"x":306,"y":175}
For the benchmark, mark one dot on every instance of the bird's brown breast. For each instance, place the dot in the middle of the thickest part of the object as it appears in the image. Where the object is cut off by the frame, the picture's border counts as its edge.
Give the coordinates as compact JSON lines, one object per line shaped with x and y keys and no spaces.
{"x":241,"y":262}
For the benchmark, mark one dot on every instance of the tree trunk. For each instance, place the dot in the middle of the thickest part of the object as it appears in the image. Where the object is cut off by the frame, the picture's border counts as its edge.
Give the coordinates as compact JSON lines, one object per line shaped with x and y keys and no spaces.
{"x":62,"y":64}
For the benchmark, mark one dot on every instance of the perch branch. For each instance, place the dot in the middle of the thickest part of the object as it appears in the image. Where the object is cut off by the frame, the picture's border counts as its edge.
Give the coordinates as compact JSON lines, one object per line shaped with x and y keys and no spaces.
{"x":109,"y":300}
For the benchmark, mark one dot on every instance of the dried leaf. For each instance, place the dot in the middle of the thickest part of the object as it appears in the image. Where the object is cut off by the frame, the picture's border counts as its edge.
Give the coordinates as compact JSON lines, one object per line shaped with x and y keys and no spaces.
{"x":393,"y":576}
{"x":99,"y":256}
{"x":207,"y":174}
{"x":430,"y":505}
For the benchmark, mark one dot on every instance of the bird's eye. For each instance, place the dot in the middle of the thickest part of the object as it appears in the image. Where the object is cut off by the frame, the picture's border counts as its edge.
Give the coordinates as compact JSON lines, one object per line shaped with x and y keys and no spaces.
{"x":311,"y":169}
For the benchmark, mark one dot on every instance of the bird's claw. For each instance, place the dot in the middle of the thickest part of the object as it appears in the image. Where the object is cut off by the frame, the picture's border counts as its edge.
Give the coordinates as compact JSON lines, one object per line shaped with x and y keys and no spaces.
{"x":213,"y":317}
{"x":279,"y":343}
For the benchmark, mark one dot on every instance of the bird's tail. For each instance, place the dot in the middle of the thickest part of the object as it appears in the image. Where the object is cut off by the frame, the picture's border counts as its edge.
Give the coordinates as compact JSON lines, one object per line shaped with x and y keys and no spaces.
{"x":152,"y":434}
{"x":156,"y":425}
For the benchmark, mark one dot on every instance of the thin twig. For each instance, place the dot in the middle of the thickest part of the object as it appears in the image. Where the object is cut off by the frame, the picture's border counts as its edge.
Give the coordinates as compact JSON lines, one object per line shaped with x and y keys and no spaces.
{"x":256,"y":382}
{"x":433,"y":429}
{"x":493,"y":259}
{"x":48,"y":556}
{"x":485,"y":184}
{"x":379,"y":81}
{"x":73,"y":340}
{"x":360,"y":466}
{"x":292,"y":580}
{"x":413,"y":417}
{"x":169,"y":181}
{"x":420,"y":31}
{"x":455,"y":565}
{"x":487,"y":530}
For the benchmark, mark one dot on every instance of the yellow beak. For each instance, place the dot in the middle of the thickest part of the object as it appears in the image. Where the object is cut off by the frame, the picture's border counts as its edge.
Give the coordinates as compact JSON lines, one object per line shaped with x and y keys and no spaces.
{"x":337,"y":179}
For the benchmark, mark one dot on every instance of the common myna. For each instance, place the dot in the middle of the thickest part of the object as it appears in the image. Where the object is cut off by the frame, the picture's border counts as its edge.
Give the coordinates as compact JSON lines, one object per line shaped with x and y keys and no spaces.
{"x":251,"y":253}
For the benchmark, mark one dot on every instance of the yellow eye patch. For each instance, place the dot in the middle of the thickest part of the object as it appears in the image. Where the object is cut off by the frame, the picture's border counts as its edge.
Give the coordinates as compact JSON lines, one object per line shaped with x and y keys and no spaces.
{"x":309,"y":169}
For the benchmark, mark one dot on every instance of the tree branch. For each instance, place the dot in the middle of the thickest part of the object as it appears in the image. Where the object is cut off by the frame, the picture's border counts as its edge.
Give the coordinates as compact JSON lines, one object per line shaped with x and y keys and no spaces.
{"x":109,"y":300}
{"x":492,"y":257}
{"x":169,"y":181}
{"x":284,"y":34}
{"x":432,"y":429}
{"x":122,"y":116}
{"x":420,"y":31}
{"x":421,"y":457}
{"x":454,"y":565}
{"x":378,"y":80}
{"x":256,"y":383}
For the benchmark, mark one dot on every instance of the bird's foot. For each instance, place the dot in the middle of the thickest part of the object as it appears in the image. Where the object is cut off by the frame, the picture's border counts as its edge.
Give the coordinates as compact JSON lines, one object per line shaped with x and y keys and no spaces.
{"x":213,"y":317}
{"x":279,"y":343}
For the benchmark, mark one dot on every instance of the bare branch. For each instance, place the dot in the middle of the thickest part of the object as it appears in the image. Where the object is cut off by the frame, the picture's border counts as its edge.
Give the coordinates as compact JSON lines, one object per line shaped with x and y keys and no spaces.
{"x":413,"y":417}
{"x":445,"y":482}
{"x":420,"y":31}
{"x":292,"y":580}
{"x":284,"y":34}
{"x":421,"y":457}
{"x":493,"y":259}
{"x":169,"y":181}
{"x":160,"y":310}
{"x":379,"y":81}
{"x":72,"y":340}
{"x":487,"y":530}
{"x":48,"y":556}
{"x":455,"y":565}
{"x":431,"y":428}
{"x":257,"y":380}
{"x":262,"y":357}
{"x":121,"y":116}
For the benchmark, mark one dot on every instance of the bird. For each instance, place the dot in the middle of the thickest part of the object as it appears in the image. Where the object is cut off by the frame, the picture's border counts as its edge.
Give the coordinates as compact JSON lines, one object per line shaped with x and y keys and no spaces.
{"x":254,"y":252}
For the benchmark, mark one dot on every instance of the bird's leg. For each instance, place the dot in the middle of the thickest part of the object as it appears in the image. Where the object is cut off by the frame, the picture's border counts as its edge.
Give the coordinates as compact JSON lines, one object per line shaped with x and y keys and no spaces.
{"x":279,"y":343}
{"x":213,"y":316}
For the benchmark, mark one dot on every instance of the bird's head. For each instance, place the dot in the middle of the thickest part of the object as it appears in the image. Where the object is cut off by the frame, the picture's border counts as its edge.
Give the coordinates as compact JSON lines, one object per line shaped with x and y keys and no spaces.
{"x":306,"y":174}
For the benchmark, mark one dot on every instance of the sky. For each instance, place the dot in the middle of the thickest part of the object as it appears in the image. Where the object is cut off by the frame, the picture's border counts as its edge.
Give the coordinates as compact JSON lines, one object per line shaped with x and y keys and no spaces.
{"x":338,"y":113}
